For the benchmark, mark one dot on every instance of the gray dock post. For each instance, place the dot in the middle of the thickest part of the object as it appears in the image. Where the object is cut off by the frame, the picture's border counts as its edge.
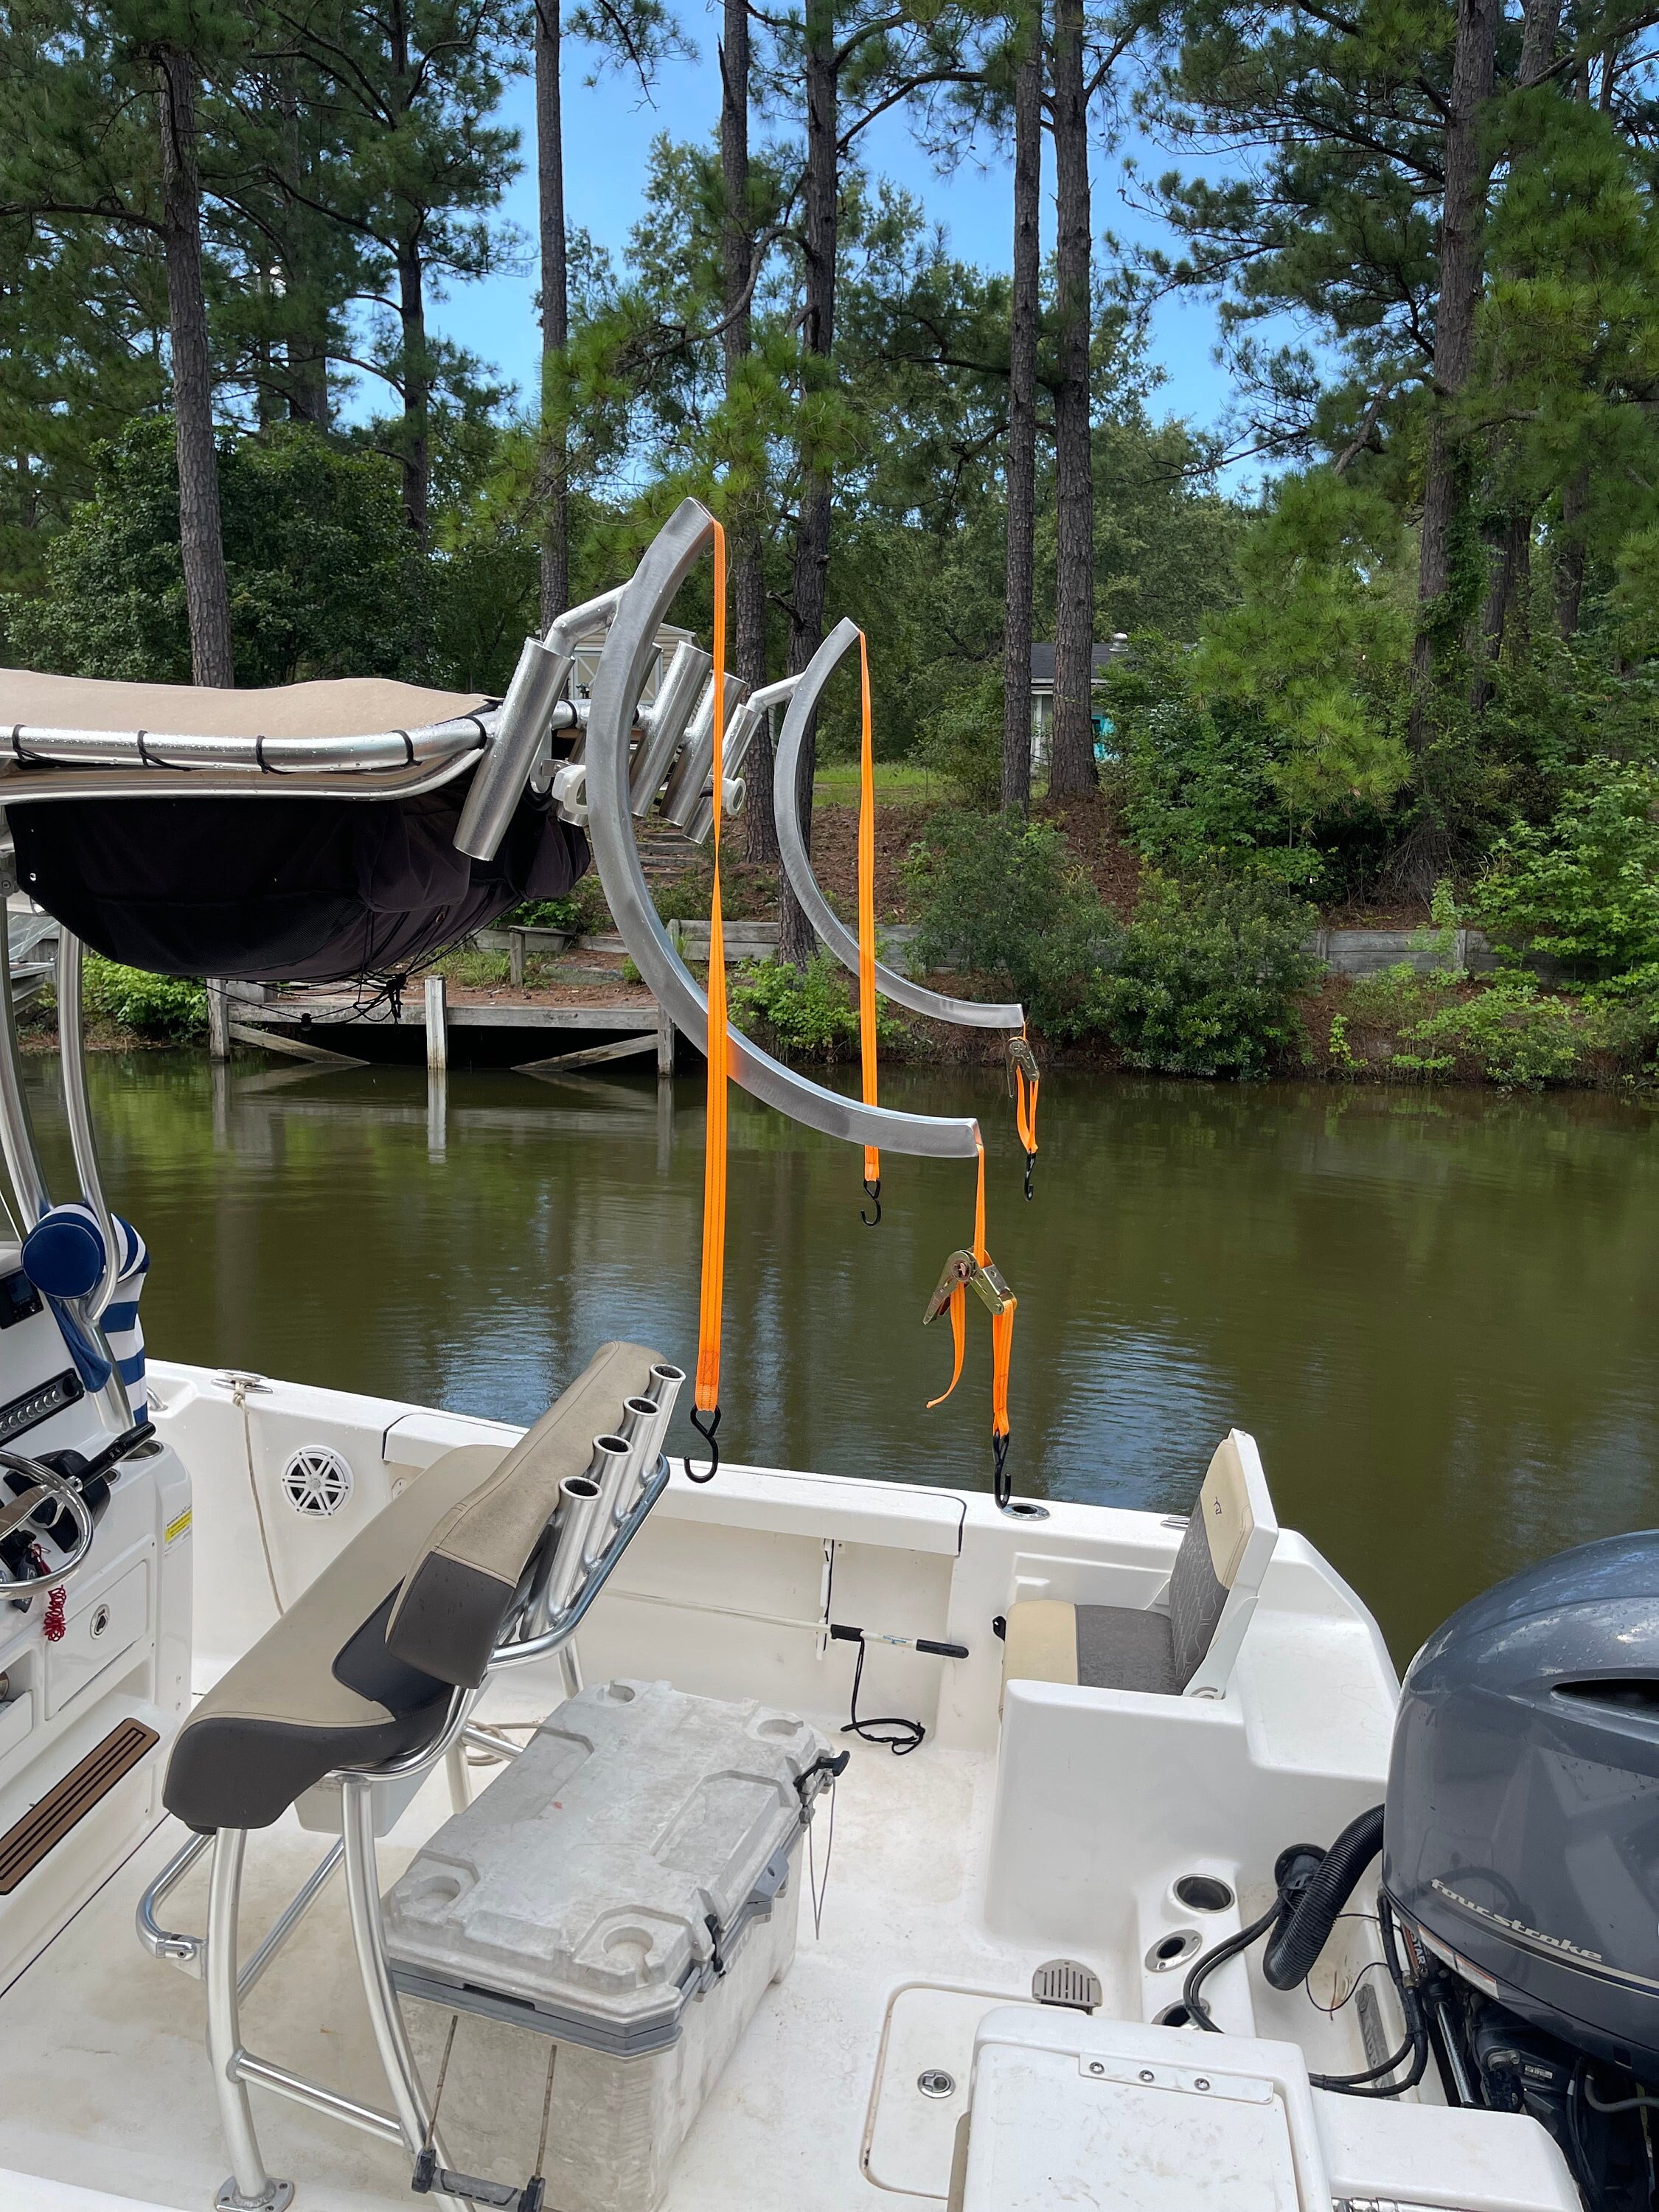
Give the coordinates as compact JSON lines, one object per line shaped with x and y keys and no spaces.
{"x":218,"y":1019}
{"x":437,"y":1027}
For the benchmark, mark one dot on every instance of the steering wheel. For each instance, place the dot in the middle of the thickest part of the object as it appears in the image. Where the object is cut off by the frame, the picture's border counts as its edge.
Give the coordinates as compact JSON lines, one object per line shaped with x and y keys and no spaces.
{"x":49,"y":1494}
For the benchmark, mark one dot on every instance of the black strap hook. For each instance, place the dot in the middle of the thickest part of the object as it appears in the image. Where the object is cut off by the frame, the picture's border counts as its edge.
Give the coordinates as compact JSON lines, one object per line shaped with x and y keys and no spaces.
{"x":1030,"y":1158}
{"x":708,"y":1436}
{"x":872,"y":1191}
{"x":1002,"y":1487}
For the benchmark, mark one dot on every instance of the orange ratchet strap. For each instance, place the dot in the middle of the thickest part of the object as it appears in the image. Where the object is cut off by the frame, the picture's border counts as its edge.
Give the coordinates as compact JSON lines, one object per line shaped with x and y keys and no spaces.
{"x":867,"y":932}
{"x":719,"y":1057}
{"x":976,"y":1267}
{"x":1022,"y":1062}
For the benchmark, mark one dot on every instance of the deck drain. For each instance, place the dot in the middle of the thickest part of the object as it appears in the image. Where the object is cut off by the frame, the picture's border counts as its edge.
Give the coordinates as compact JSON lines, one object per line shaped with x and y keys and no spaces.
{"x":1066,"y":1982}
{"x":934,"y":2081}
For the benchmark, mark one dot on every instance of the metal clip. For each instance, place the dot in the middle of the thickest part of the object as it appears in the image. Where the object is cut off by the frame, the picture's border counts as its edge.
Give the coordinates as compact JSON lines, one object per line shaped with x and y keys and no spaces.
{"x":1021,"y":1056}
{"x":959,"y":1270}
{"x":963,"y":1271}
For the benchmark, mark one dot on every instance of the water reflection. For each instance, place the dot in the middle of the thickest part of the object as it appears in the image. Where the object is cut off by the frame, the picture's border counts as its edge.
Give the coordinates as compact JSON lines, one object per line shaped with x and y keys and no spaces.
{"x":1437,"y":1315}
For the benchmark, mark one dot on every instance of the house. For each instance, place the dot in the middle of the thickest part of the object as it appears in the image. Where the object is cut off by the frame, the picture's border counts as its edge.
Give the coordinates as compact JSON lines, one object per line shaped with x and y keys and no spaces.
{"x":1042,"y":695}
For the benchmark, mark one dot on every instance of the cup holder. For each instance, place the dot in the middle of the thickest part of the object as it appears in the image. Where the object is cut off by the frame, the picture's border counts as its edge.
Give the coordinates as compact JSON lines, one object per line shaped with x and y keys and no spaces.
{"x":1173,"y":1950}
{"x":1203,"y":1893}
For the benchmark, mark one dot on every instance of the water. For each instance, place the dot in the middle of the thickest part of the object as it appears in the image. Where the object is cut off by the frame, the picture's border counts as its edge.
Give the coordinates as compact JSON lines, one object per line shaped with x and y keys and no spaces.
{"x":1437,"y":1314}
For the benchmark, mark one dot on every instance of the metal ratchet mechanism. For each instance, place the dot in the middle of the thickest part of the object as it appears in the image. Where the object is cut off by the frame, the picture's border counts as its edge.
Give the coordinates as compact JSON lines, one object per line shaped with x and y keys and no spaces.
{"x":964,"y":1013}
{"x":963,"y":1272}
{"x":618,"y":783}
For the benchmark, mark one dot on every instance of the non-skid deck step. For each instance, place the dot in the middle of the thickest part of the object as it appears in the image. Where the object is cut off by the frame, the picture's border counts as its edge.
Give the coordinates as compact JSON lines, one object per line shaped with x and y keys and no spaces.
{"x":45,"y":1826}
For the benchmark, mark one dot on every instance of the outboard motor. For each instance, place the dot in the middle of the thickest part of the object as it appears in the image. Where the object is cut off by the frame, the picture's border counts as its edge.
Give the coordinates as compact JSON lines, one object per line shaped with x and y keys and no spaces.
{"x":1521,"y":1846}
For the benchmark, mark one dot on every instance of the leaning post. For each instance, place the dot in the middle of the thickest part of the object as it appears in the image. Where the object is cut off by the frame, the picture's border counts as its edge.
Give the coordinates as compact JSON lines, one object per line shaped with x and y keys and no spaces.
{"x":218,"y":1019}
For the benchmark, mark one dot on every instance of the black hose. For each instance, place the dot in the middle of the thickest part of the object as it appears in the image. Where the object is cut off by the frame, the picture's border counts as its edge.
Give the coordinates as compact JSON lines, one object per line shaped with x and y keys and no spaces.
{"x":1305,"y":1927}
{"x":1204,"y":1967}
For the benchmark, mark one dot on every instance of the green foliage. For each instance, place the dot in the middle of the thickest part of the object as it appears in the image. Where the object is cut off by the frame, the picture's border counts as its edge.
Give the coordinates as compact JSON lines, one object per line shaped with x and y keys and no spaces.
{"x":168,"y":1008}
{"x":1319,"y":644}
{"x":582,"y":910}
{"x":810,"y":1013}
{"x":1584,"y":888}
{"x":1001,"y":899}
{"x":1198,"y":775}
{"x":1204,"y":978}
{"x":323,"y":576}
{"x":1501,"y":1029}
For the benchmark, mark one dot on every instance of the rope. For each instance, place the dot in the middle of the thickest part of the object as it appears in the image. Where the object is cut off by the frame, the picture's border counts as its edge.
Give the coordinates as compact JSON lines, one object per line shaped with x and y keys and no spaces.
{"x":711,"y":1300}
{"x":867,"y":925}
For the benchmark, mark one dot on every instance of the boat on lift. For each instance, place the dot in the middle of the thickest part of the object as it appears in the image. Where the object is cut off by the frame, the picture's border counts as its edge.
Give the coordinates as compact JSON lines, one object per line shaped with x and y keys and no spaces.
{"x":393,"y":1800}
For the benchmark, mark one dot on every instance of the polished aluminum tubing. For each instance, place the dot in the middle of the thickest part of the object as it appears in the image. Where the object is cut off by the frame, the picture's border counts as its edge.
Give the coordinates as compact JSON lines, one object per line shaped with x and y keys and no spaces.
{"x":691,"y":770}
{"x":580,"y":1497}
{"x":608,"y":1468}
{"x":640,"y":1428}
{"x":527,"y":716}
{"x":659,"y":1394}
{"x":77,"y":1111}
{"x":664,"y":722}
{"x":22,"y":1154}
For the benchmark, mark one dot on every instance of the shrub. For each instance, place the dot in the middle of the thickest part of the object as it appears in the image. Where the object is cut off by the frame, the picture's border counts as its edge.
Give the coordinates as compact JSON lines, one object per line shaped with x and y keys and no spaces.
{"x":999,"y":898}
{"x":1584,"y":890}
{"x":165,"y":1008}
{"x":811,"y":1013}
{"x":1204,"y":978}
{"x":582,"y":910}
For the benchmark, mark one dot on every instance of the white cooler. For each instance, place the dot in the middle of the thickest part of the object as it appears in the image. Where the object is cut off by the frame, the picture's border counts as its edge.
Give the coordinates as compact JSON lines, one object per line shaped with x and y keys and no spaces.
{"x":626,"y":1888}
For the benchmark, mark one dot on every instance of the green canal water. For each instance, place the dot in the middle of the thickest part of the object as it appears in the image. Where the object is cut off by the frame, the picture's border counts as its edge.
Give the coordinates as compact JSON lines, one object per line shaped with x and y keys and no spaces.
{"x":1438,"y":1315}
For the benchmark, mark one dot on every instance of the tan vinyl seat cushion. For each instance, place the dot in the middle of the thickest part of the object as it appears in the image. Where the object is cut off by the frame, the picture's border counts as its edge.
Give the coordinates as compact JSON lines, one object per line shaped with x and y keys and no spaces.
{"x":328,"y":1686}
{"x":340,"y":707}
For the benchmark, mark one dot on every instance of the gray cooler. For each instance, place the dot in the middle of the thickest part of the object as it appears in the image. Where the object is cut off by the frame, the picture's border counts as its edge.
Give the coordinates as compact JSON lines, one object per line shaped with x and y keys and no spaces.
{"x":627,"y":1887}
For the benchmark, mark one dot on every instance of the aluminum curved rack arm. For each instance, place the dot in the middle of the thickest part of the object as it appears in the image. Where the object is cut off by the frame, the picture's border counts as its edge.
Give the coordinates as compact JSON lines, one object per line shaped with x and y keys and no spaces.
{"x":965,"y":1013}
{"x":622,"y":672}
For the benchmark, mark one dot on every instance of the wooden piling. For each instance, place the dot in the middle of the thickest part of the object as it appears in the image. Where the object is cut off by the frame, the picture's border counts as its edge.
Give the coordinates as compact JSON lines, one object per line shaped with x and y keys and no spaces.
{"x":437,"y":1027}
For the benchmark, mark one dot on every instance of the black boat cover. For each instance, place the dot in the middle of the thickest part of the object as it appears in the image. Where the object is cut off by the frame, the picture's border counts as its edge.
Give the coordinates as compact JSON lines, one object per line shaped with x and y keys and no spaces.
{"x":281,"y":889}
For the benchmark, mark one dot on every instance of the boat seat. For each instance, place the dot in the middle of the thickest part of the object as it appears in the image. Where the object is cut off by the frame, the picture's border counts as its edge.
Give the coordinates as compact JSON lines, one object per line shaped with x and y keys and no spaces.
{"x":1187,"y":1645}
{"x":360,"y":1667}
{"x":337,"y":707}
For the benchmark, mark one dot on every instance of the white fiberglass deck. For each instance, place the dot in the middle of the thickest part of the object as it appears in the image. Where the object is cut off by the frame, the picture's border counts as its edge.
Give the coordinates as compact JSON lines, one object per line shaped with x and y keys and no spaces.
{"x":1051,"y":1820}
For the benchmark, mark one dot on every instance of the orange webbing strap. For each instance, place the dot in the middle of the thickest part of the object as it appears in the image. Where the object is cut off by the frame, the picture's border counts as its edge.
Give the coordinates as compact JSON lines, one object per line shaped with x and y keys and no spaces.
{"x":708,"y":1399}
{"x":960,"y":1337}
{"x":1002,"y":1344}
{"x":1025,"y":1121}
{"x":867,"y":929}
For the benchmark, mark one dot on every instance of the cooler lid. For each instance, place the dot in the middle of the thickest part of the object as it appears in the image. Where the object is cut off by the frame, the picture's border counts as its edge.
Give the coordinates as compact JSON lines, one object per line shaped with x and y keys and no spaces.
{"x":584,"y":1879}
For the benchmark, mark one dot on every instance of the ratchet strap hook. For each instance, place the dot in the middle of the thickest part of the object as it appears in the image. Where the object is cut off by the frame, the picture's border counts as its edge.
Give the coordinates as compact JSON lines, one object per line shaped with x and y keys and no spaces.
{"x":707,"y":1434}
{"x":872,"y":1192}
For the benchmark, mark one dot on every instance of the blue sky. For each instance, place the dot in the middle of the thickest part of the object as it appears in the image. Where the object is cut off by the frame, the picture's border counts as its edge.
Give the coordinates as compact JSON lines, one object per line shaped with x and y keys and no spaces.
{"x":609,"y":129}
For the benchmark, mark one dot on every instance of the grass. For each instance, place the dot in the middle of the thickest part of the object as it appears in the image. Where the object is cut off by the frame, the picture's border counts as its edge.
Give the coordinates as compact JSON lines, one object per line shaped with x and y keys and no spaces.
{"x":836,"y":783}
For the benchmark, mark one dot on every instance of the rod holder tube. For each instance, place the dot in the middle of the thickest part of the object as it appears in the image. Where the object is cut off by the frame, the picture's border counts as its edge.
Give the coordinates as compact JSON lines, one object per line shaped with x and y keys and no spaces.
{"x":642,"y":1426}
{"x":579,"y":1504}
{"x":613,"y":1456}
{"x":664,"y":722}
{"x":661,"y":1390}
{"x":691,"y":770}
{"x":526,"y":722}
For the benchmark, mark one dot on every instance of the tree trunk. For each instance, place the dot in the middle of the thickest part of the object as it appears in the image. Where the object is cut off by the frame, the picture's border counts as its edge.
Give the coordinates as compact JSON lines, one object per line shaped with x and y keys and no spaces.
{"x":1020,"y":473}
{"x":811,"y":566}
{"x":1570,"y":556}
{"x":1071,"y":754}
{"x":1446,"y":482}
{"x":206,"y":595}
{"x":305,"y":347}
{"x":1504,"y":621}
{"x":417,"y":390}
{"x":555,"y":309}
{"x":748,"y":578}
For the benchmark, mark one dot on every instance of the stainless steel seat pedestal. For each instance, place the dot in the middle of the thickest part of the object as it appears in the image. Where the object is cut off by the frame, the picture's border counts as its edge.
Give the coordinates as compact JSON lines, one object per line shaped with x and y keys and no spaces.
{"x":249,"y":2188}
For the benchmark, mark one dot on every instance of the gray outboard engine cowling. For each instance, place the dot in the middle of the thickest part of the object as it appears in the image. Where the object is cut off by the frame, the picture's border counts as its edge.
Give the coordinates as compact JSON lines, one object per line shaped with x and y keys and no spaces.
{"x":1521,"y":1830}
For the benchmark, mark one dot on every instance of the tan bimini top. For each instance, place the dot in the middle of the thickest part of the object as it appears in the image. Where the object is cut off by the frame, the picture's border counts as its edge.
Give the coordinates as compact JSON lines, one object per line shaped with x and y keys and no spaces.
{"x":341,"y":707}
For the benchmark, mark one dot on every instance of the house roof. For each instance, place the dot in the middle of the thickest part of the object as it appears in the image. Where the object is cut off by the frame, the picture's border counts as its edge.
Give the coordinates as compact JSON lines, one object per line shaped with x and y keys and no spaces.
{"x":1043,"y":661}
